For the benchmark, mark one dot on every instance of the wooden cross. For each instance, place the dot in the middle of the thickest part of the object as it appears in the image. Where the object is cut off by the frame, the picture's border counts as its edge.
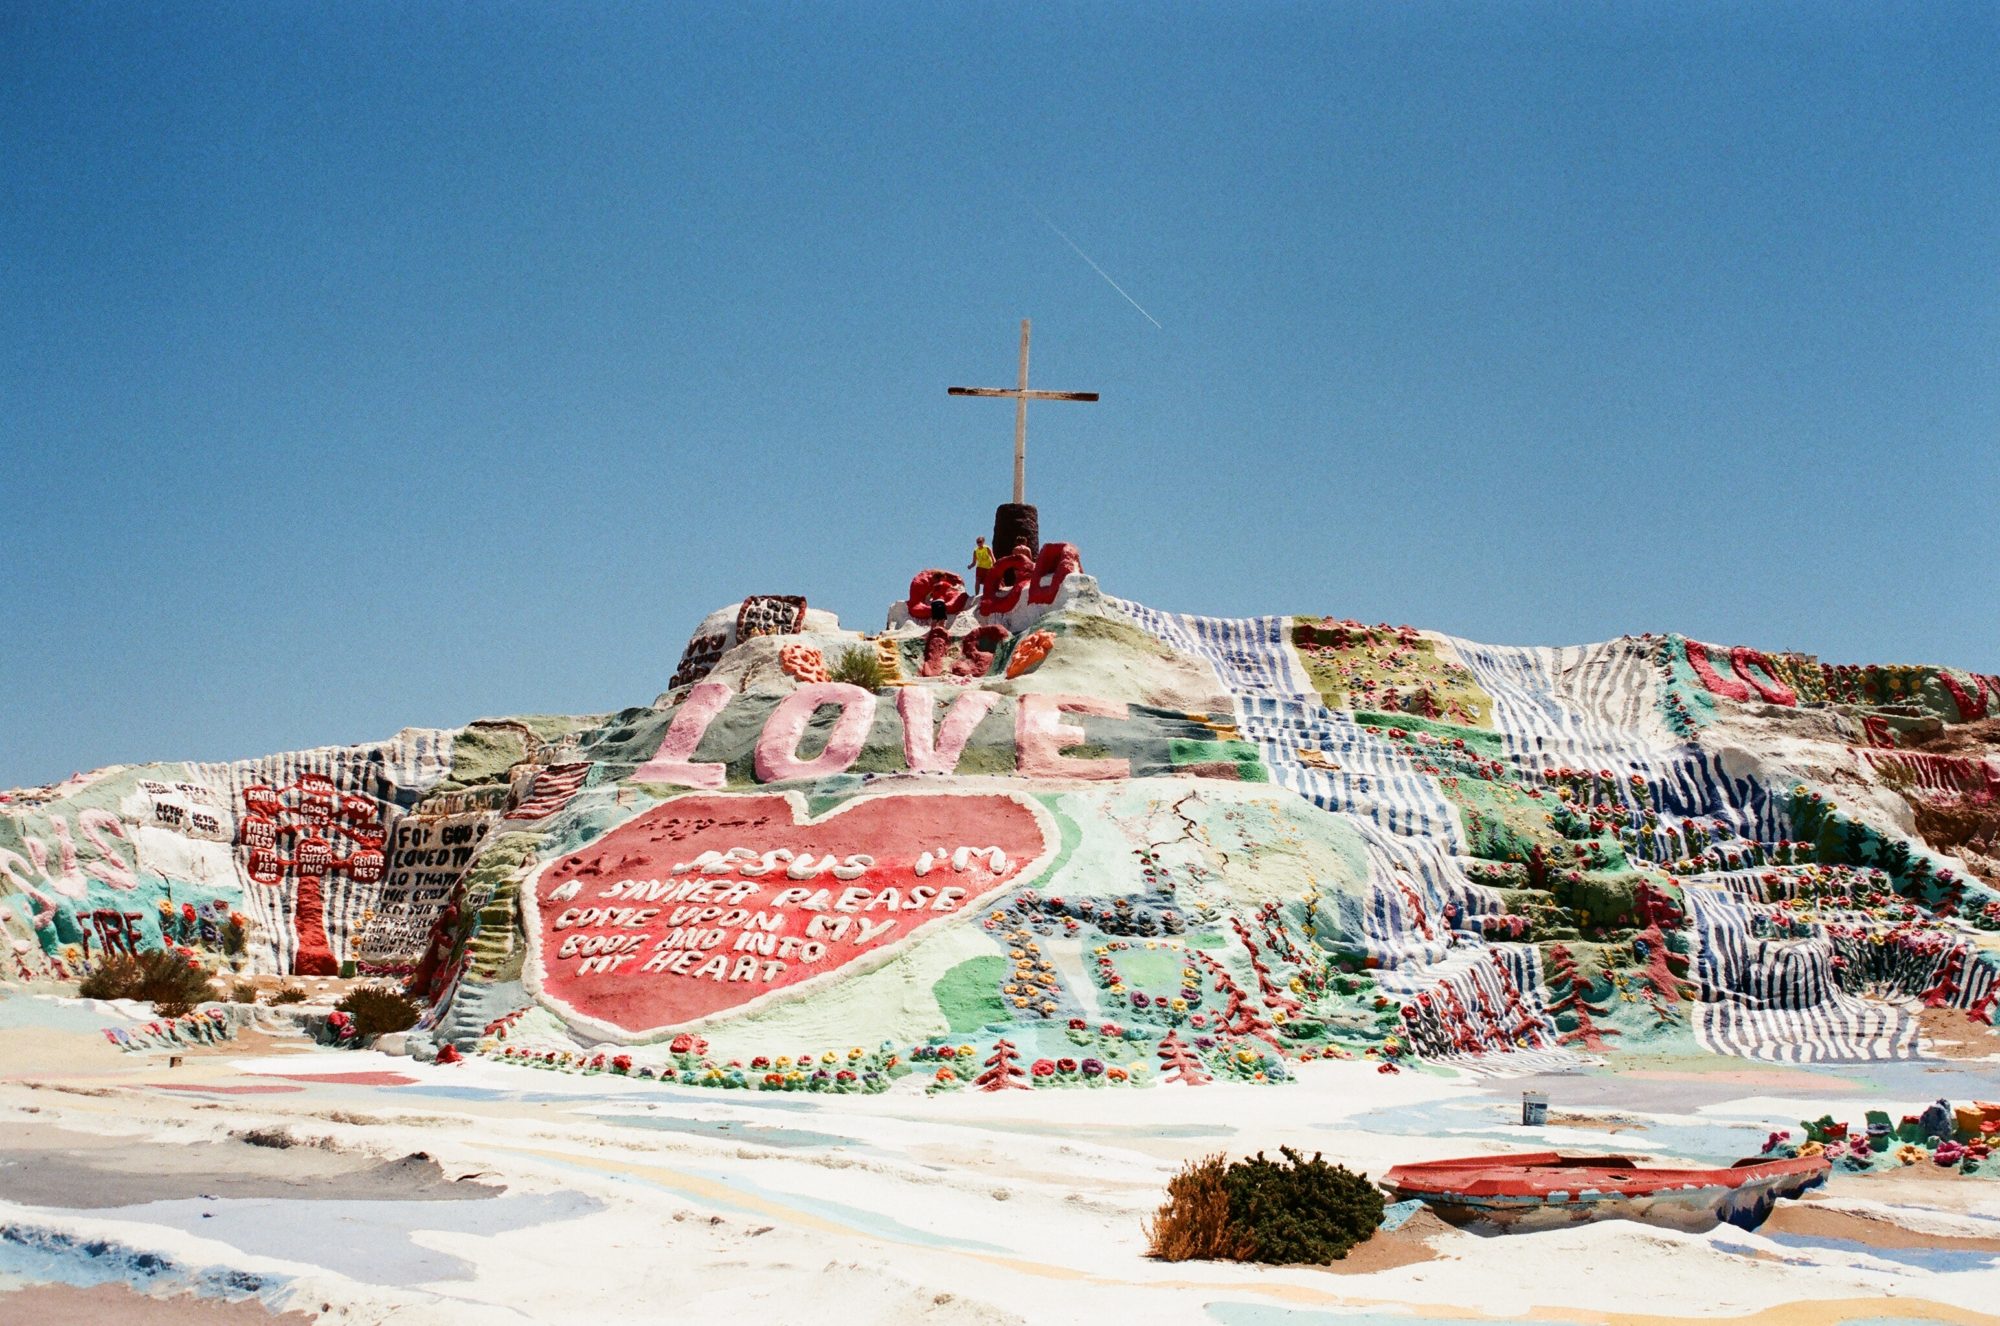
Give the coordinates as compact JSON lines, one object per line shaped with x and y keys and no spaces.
{"x":1021,"y":396}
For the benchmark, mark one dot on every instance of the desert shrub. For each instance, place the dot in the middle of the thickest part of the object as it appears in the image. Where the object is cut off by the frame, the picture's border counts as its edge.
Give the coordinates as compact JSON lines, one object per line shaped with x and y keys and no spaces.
{"x":288,"y":994}
{"x":860,"y":666}
{"x":1260,"y":1210}
{"x":378,"y":1009}
{"x":1193,"y":1223}
{"x":170,"y":983}
{"x":1301,"y":1210}
{"x":243,"y":993}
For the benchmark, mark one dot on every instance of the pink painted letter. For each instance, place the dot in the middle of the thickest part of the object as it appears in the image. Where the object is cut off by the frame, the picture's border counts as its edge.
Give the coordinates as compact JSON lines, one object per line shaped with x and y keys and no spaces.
{"x":778,"y":744}
{"x":670,"y":763}
{"x":916,"y":703}
{"x":1040,"y":736}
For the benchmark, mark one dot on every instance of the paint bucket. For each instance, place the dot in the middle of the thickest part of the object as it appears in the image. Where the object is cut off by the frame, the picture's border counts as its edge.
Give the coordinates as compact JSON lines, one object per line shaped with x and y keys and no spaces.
{"x":1534,"y":1108}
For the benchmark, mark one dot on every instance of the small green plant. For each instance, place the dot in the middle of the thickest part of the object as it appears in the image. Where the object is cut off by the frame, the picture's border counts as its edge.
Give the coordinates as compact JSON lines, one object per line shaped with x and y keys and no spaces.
{"x":860,"y":666}
{"x":1259,"y":1210}
{"x":172,"y":984}
{"x":378,"y":1010}
{"x":1302,"y":1210}
{"x":288,"y":994}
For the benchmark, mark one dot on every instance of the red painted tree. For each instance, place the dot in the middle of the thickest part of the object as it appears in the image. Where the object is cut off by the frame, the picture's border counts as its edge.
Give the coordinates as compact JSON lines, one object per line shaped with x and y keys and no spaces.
{"x":309,"y":832}
{"x":1180,"y":1064}
{"x":1661,"y":976}
{"x":1575,"y":1002}
{"x":1239,"y":1016}
{"x":1001,"y":1071}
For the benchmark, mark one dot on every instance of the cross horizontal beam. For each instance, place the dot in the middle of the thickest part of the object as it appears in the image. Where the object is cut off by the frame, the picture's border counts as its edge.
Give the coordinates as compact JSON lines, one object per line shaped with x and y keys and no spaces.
{"x":1015,"y":394}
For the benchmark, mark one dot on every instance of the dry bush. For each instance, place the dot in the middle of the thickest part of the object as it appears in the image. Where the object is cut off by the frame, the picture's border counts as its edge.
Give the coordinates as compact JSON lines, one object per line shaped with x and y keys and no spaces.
{"x":378,"y":1010}
{"x":1193,"y":1224}
{"x":167,"y":981}
{"x":289,"y":994}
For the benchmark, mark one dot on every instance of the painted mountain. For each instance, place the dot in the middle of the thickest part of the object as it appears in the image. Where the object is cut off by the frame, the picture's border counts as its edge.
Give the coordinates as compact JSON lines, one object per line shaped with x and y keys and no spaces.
{"x":1033,"y":835}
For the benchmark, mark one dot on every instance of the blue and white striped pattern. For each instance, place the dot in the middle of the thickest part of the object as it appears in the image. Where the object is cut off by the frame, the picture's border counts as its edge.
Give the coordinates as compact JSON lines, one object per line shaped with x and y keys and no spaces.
{"x":1411,"y":832}
{"x":396,"y":772}
{"x":1573,"y":705}
{"x":1596,"y":707}
{"x":1398,"y":931}
{"x":1374,"y":779}
{"x":1278,"y":710}
{"x":1249,"y":654}
{"x":1697,"y":783}
{"x":1777,"y":1000}
{"x":1484,"y":977}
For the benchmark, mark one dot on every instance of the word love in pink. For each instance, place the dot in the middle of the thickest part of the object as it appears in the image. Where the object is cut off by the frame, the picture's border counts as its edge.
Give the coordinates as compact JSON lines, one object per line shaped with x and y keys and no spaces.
{"x":1040,"y":734}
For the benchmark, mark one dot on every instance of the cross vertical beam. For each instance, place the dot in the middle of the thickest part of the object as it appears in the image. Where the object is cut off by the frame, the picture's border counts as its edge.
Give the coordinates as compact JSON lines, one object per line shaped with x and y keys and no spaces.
{"x":1021,"y":424}
{"x":1021,"y":396}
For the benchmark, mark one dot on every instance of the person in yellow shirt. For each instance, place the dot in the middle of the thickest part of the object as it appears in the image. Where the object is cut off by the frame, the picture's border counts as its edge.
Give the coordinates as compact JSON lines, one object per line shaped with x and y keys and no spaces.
{"x":982,"y":556}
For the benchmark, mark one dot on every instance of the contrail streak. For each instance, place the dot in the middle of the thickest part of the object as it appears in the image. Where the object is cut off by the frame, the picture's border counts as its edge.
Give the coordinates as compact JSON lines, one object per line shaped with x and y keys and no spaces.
{"x":1094,"y":267}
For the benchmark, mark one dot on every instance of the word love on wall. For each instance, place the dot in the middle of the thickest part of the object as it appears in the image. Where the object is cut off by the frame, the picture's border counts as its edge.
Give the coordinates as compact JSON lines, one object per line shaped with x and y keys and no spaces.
{"x":711,"y":905}
{"x":930,"y":745}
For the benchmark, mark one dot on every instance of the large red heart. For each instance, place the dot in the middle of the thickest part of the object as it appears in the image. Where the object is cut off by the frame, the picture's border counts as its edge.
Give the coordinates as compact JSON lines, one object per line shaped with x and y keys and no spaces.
{"x":711,"y":904}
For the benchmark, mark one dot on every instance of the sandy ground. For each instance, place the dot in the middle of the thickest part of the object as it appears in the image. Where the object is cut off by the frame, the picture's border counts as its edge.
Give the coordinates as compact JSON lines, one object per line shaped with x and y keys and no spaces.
{"x":357,"y":1187}
{"x":116,"y":1303}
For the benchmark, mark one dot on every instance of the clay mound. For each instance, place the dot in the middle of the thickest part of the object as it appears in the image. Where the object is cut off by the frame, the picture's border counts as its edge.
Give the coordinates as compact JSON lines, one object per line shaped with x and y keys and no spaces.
{"x":1044,"y":837}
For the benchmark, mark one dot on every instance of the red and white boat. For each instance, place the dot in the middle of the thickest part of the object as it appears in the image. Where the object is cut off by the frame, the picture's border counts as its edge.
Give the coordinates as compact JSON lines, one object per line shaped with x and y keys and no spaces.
{"x":1546,"y":1190}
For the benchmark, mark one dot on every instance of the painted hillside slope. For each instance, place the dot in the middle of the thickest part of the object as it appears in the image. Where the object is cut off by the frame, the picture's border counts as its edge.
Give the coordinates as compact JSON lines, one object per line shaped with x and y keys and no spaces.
{"x":1044,"y":836}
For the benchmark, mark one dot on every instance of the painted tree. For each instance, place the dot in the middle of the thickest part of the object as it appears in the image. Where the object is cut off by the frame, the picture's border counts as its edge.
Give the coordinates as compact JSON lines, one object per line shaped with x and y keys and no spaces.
{"x":1239,"y":1016}
{"x":1001,"y":1071}
{"x":1658,"y":906}
{"x":1180,"y":1064}
{"x":1662,"y":973}
{"x":1574,"y":1000}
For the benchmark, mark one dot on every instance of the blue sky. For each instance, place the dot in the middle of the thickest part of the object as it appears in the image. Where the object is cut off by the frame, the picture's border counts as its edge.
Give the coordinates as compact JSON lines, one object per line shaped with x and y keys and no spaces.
{"x":369,"y":365}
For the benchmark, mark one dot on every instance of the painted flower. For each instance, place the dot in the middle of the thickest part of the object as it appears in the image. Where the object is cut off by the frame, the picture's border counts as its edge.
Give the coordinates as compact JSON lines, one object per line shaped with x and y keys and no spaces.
{"x":1044,"y":1068}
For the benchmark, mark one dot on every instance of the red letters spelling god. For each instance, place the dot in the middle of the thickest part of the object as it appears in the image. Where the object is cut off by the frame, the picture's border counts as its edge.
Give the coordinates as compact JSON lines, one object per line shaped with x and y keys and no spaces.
{"x":708,"y":905}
